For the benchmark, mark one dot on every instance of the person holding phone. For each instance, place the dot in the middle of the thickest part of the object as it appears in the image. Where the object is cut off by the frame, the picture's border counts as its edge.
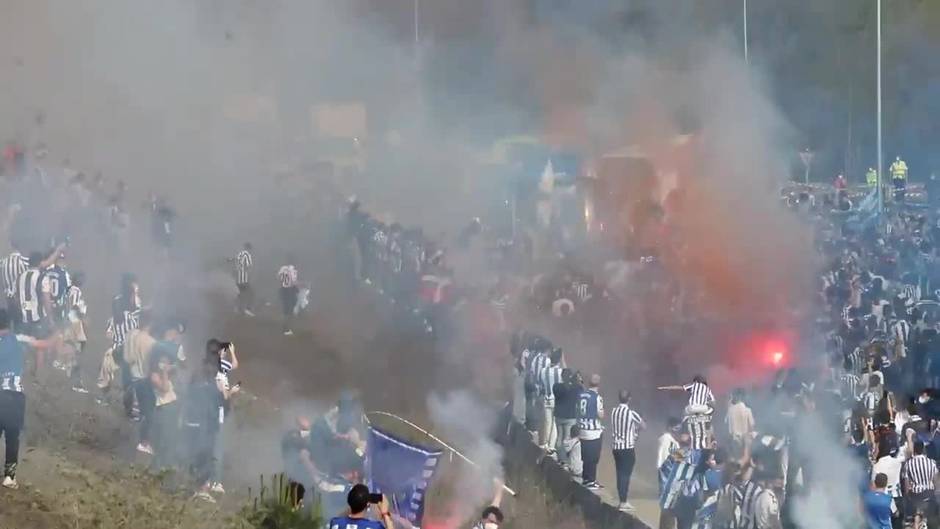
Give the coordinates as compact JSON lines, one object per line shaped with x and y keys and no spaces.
{"x":359,"y":499}
{"x":223,"y":355}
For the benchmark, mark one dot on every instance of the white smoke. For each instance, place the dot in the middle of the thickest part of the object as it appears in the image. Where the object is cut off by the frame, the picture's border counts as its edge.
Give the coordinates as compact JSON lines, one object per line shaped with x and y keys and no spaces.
{"x":831,"y":501}
{"x":467,"y":422}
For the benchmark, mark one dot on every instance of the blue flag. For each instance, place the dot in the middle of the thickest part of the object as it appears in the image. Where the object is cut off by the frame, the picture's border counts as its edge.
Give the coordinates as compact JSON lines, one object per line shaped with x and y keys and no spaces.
{"x":866,"y":213}
{"x":677,"y":474}
{"x":402,"y":471}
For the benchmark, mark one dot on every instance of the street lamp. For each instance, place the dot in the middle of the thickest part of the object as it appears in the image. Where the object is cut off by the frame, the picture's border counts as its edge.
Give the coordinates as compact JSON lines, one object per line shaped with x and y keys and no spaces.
{"x":881,"y":200}
{"x":417,"y":9}
{"x":745,"y":32}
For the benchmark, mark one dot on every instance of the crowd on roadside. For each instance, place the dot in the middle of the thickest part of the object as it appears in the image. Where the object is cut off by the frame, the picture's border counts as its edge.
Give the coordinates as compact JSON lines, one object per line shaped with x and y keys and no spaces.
{"x":870,"y":373}
{"x":865,"y":383}
{"x":178,"y":401}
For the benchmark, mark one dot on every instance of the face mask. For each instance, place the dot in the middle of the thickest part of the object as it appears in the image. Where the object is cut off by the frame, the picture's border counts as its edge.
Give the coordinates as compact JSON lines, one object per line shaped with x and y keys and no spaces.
{"x":923,"y":399}
{"x":490,"y":525}
{"x":304,"y":434}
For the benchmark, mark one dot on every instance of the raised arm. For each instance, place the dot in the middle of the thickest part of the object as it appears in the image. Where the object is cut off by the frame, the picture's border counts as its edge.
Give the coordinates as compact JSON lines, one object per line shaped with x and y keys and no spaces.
{"x":52,"y":257}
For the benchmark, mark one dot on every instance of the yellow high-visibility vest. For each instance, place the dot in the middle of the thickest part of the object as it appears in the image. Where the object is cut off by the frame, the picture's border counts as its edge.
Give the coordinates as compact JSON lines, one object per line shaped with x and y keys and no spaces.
{"x":899,"y":170}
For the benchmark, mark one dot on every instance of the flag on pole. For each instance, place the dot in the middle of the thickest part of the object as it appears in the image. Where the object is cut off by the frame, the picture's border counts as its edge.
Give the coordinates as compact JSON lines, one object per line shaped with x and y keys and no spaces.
{"x":402,"y":471}
{"x":675,"y":475}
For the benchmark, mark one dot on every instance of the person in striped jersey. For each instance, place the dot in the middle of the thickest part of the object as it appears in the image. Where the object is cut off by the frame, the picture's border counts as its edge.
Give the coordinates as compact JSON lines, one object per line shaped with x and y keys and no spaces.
{"x":74,"y":335}
{"x":125,"y":318}
{"x":920,"y":478}
{"x":34,"y":293}
{"x":626,"y":425}
{"x":12,"y":266}
{"x":244,"y":263}
{"x":901,"y":336}
{"x":287,"y":277}
{"x":538,"y":361}
{"x":698,"y":411}
{"x":548,"y":377}
{"x":222,"y":353}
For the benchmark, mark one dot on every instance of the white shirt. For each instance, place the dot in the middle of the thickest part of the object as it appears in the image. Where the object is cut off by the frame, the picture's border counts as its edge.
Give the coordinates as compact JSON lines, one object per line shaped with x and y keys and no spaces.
{"x":767,"y":510}
{"x":666,"y":445}
{"x":740,"y":421}
{"x":900,"y":419}
{"x":891,"y":467}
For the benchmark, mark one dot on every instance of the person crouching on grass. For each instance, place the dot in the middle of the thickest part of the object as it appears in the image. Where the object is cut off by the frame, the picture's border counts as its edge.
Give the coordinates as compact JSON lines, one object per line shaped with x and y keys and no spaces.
{"x":12,"y":400}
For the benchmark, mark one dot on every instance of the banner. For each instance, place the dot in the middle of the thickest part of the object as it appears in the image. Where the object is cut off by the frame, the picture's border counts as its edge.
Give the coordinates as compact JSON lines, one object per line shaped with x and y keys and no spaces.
{"x":402,"y":471}
{"x":674,"y":476}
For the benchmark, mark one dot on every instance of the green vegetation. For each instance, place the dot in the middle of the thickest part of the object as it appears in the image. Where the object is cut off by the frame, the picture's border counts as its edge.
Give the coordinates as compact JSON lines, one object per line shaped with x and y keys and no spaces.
{"x":275,"y":507}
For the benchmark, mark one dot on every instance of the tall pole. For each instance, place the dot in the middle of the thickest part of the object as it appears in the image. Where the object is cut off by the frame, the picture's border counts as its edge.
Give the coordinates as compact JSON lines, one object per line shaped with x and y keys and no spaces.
{"x":881,"y":199}
{"x":745,"y":32}
{"x":417,"y":20}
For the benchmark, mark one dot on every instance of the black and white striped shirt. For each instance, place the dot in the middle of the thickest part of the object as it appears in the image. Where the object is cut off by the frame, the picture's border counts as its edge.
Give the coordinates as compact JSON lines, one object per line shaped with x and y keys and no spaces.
{"x":287,"y":275}
{"x":626,"y":424}
{"x":538,"y":362}
{"x":920,"y":472}
{"x":849,"y":383}
{"x":13,"y":266}
{"x":855,"y":360}
{"x":76,"y":301}
{"x":122,"y":328}
{"x":548,"y":377}
{"x":910,"y":294}
{"x":901,"y":331}
{"x":699,"y":394}
{"x":30,"y":287}
{"x":871,"y":399}
{"x":243,"y":264}
{"x":744,"y":497}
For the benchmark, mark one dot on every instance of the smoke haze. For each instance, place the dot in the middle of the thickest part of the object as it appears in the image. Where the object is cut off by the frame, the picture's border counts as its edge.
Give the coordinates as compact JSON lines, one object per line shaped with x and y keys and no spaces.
{"x":207,"y":101}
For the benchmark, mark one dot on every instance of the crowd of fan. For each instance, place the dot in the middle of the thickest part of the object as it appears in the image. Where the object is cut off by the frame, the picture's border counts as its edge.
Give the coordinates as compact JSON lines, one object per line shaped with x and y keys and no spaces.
{"x":877,"y":391}
{"x":868,"y":380}
{"x":179,"y":403}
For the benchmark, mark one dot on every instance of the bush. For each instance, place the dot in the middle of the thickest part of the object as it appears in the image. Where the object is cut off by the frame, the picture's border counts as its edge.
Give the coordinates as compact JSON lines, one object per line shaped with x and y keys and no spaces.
{"x":277,"y":507}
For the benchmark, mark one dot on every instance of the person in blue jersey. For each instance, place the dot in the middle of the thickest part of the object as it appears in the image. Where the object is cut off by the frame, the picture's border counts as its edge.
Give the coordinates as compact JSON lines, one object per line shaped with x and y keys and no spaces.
{"x":590,"y":417}
{"x":878,"y":504}
{"x":359,"y":500}
{"x":12,"y":400}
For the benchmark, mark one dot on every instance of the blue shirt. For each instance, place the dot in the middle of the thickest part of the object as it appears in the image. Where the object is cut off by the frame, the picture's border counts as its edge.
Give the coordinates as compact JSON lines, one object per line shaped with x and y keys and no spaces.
{"x":588,"y":407}
{"x":12,"y":360}
{"x":877,"y":509}
{"x":345,"y":522}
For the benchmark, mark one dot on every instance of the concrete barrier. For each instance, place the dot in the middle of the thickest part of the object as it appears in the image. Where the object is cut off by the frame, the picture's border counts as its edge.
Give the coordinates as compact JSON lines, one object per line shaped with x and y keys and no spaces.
{"x":597,"y":513}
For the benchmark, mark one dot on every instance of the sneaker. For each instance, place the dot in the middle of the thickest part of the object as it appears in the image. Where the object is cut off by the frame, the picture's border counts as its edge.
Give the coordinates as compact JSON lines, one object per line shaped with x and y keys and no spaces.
{"x":592,"y":485}
{"x":10,"y":483}
{"x":288,"y":332}
{"x":204,"y":496}
{"x":217,"y":488}
{"x":79,"y":389}
{"x":58,"y":365}
{"x":145,"y":448}
{"x":626,"y":507}
{"x":249,"y":313}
